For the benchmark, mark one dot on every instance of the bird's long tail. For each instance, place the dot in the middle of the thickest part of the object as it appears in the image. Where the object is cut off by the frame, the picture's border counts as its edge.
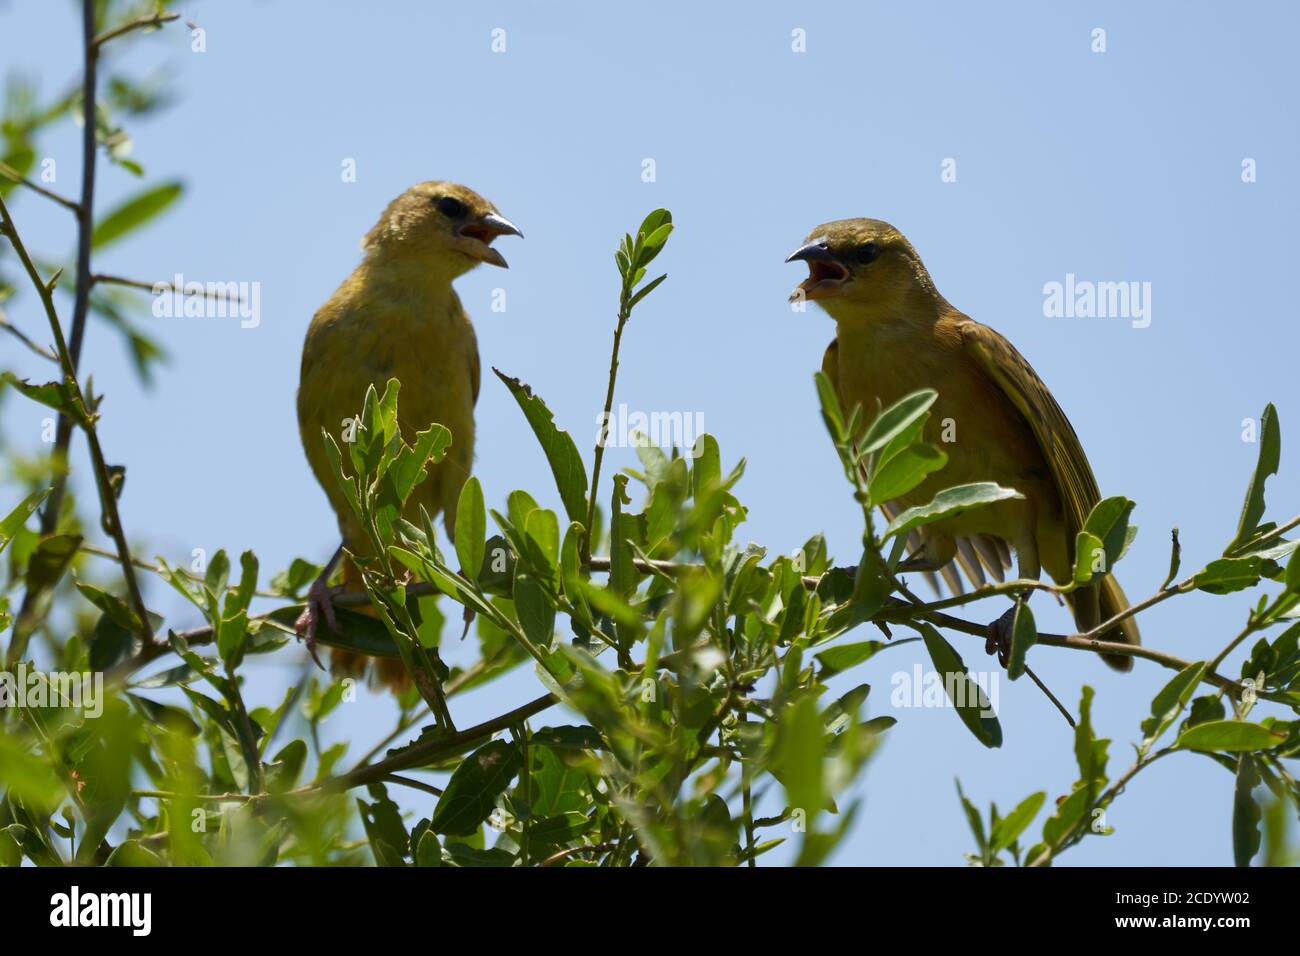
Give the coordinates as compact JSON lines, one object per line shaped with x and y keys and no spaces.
{"x":1098,"y":604}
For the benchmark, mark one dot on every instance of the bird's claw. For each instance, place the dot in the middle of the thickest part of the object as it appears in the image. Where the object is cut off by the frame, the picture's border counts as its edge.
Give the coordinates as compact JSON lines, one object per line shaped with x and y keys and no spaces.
{"x":320,"y":603}
{"x":998,"y":636}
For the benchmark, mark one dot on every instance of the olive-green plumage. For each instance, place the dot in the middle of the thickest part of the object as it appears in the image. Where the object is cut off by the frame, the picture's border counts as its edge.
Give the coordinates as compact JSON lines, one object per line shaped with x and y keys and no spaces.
{"x":994,"y":417}
{"x":397,"y":316}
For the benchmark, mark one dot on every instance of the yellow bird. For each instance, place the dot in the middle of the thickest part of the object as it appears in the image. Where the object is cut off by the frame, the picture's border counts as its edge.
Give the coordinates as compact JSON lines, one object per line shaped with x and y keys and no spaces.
{"x":896,"y":334}
{"x":397,"y":316}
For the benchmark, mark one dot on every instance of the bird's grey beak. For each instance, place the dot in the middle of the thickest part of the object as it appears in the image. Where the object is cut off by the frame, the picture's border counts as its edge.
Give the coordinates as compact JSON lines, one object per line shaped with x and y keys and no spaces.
{"x":815,"y":250}
{"x":478,"y":235}
{"x":501,"y":225}
{"x":826,"y":274}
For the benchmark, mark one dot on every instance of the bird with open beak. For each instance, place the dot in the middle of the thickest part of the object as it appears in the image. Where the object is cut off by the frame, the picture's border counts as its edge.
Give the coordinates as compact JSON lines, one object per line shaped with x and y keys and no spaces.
{"x":895,"y":334}
{"x":397,"y":316}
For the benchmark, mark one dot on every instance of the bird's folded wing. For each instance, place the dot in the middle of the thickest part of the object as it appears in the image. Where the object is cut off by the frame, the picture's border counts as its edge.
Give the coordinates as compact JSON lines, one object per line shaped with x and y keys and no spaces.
{"x":975,"y":553}
{"x":1055,"y":435}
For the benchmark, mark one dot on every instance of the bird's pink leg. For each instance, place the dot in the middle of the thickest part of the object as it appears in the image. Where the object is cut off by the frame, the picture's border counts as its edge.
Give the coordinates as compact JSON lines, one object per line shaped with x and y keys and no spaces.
{"x":320,"y":603}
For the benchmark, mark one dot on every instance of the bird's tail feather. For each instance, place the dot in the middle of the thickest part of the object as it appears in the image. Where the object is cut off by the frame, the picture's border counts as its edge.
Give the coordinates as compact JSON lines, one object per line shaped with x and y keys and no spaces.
{"x":1098,"y":604}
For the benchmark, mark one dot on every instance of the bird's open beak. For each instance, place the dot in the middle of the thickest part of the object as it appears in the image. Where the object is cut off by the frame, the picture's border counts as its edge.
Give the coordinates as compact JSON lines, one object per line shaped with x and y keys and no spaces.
{"x":826,"y":274}
{"x":475,"y":238}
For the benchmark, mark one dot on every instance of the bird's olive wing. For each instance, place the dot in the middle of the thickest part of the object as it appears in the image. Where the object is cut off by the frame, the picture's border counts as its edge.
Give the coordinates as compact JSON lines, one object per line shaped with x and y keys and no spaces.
{"x":1055,"y":435}
{"x":475,"y":372}
{"x":831,"y":364}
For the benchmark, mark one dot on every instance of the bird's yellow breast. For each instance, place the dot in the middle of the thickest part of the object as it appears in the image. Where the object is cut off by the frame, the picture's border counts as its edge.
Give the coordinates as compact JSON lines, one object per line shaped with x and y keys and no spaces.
{"x":373,"y":329}
{"x":971,"y":421}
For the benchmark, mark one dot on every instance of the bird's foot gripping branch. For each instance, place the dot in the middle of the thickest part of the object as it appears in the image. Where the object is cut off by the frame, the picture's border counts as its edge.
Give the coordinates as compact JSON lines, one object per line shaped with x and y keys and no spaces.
{"x":695,"y":670}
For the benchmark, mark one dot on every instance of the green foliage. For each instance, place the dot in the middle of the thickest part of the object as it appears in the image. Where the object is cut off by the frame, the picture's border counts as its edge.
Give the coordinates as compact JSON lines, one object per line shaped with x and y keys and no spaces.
{"x":696,"y":668}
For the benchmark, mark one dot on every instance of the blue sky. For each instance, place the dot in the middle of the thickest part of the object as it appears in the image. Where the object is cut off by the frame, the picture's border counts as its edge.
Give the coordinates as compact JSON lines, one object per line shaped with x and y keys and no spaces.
{"x":1115,"y":166}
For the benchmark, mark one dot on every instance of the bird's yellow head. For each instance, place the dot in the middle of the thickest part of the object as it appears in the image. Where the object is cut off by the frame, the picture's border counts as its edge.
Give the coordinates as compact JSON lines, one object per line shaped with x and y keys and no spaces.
{"x":443,"y":227}
{"x":857,"y":265}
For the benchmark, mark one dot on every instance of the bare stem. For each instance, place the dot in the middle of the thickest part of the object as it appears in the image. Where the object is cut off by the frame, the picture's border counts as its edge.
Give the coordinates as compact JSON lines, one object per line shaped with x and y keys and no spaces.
{"x":139,"y":23}
{"x":146,"y":286}
{"x":13,"y":175}
{"x":107,"y":496}
{"x":599,"y":454}
{"x":18,"y":333}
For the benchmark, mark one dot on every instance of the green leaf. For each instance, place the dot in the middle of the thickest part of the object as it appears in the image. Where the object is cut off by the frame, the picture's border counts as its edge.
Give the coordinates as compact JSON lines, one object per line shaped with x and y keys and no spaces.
{"x":904,"y":471}
{"x":1108,"y":521}
{"x":133,"y":213}
{"x":1024,"y":634}
{"x":56,"y":395}
{"x":832,"y":414}
{"x":973,"y":820}
{"x":111,"y":605}
{"x":1089,"y":557}
{"x":110,"y":642}
{"x":171,"y":718}
{"x":1009,"y":828}
{"x":1270,"y":455}
{"x":20,"y":159}
{"x":1245,"y":812}
{"x":969,"y":700}
{"x":1224,"y":575}
{"x":947,"y":503}
{"x":800,"y":749}
{"x":1230,"y":735}
{"x":536,"y":615}
{"x":384,"y":827}
{"x":1170,"y":701}
{"x":644,"y":291}
{"x":472,"y":792}
{"x":471,"y":528}
{"x":428,"y":852}
{"x":843,"y":656}
{"x":561,"y":452}
{"x":134,"y":854}
{"x":14,"y":520}
{"x":654,"y":221}
{"x":285,"y":768}
{"x":896,"y":418}
{"x":653,"y":244}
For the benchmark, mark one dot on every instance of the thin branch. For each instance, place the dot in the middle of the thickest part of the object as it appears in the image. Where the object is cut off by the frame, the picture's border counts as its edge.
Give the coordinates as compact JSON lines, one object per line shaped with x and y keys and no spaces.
{"x":85,"y":230}
{"x":202,"y":797}
{"x":156,"y":569}
{"x":624,"y":313}
{"x":423,"y":753}
{"x":13,"y":175}
{"x":897,"y":610}
{"x":413,"y":784}
{"x":140,"y":23}
{"x":574,"y":850}
{"x":146,"y":286}
{"x":21,"y":336}
{"x":1045,"y":858}
{"x":107,"y":496}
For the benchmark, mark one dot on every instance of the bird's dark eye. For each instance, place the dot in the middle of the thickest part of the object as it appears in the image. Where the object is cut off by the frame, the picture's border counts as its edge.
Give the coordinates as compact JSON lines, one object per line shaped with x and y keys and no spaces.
{"x":451,"y":207}
{"x":868,"y":252}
